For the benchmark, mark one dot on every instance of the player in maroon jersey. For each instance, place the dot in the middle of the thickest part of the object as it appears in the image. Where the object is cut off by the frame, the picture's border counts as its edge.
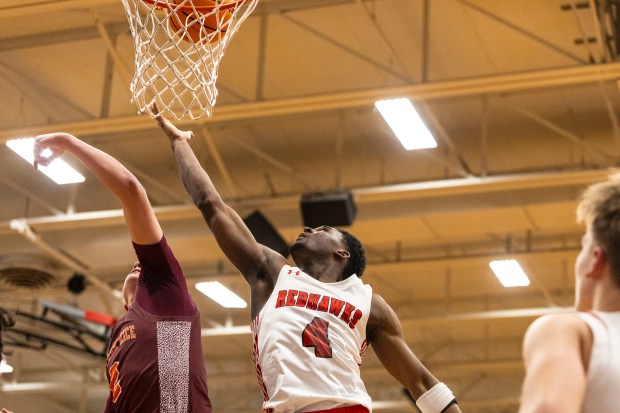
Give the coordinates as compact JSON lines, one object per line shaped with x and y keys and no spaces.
{"x":155,"y":361}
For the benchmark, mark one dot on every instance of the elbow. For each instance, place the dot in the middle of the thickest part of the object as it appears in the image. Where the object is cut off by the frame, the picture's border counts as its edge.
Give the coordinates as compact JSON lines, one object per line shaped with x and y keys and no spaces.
{"x":208,"y":205}
{"x":132,"y":188}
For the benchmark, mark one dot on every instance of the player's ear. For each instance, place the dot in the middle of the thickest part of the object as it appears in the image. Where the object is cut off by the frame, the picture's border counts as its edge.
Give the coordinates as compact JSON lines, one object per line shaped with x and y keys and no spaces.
{"x":599,"y":262}
{"x":343,"y":253}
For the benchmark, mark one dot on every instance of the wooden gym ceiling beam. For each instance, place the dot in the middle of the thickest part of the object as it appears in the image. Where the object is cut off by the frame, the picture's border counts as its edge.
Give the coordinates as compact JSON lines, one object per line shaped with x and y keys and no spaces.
{"x":509,"y":83}
{"x":21,"y":227}
{"x":61,"y":36}
{"x":264,"y":7}
{"x":13,"y":11}
{"x":483,"y":316}
{"x":414,"y":190}
{"x":114,"y":28}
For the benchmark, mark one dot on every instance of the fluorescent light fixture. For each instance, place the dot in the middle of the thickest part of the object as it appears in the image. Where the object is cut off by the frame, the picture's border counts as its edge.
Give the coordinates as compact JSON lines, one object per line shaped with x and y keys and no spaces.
{"x":406,"y":124}
{"x":59,"y":171}
{"x":5,"y":367}
{"x":509,"y":273}
{"x":221,"y":295}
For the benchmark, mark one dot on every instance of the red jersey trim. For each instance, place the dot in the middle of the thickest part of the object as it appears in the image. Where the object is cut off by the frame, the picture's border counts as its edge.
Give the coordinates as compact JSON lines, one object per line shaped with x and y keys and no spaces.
{"x":255,"y":355}
{"x":598,"y":317}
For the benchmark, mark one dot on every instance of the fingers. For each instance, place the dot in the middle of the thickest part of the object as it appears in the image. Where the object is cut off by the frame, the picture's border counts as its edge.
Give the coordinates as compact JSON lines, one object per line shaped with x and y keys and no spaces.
{"x":38,"y":150}
{"x":158,"y":116}
{"x":42,"y":156}
{"x":47,"y":148}
{"x":155,"y":110}
{"x":169,"y":128}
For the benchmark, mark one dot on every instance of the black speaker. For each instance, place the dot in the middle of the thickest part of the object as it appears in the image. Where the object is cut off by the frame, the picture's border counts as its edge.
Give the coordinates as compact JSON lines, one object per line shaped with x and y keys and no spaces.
{"x":333,"y":208}
{"x":77,"y":283}
{"x":265,"y":233}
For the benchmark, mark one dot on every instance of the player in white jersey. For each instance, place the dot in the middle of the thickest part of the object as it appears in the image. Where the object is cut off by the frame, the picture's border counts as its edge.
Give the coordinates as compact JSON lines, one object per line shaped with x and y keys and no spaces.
{"x":573,"y":360}
{"x":316,"y":330}
{"x":311,"y":323}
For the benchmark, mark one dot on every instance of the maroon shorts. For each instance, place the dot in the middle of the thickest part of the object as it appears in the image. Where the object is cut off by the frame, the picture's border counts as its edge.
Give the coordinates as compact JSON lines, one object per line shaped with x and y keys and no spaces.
{"x":358,"y":408}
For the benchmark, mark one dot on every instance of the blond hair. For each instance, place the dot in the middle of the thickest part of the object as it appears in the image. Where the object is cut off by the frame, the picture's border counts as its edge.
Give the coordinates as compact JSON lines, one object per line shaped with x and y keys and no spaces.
{"x":599,"y":209}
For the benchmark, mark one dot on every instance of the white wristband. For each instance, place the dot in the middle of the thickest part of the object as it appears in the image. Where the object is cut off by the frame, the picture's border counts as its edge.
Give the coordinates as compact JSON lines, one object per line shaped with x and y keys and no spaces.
{"x":436,"y":399}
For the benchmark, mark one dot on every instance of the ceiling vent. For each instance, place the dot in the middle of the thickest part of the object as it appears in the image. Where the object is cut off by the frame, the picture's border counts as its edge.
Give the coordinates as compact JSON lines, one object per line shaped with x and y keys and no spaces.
{"x":25,"y":271}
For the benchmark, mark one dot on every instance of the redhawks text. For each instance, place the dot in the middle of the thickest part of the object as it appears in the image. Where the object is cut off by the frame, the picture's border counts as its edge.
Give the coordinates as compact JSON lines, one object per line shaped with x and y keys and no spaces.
{"x":345,"y":311}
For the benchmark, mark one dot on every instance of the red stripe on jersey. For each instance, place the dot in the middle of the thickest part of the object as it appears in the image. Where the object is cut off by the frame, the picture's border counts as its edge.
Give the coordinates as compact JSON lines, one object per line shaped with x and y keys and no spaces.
{"x":363,"y":350}
{"x":593,"y":314}
{"x":255,"y":354}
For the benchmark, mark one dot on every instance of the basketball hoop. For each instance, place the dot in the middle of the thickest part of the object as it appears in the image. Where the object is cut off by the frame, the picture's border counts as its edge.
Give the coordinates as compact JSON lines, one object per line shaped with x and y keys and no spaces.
{"x":179,"y":45}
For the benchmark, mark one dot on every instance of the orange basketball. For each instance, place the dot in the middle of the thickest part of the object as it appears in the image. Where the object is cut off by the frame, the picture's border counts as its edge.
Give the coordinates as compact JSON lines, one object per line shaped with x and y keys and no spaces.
{"x":199,"y":26}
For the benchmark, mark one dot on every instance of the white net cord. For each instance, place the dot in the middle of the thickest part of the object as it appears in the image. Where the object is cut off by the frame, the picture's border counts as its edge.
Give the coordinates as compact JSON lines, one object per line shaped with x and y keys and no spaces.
{"x":179,"y":45}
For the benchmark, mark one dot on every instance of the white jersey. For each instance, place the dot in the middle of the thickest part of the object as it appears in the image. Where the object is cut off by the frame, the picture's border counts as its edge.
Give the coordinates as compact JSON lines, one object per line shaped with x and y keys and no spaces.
{"x":603,"y":376}
{"x":309,"y":340}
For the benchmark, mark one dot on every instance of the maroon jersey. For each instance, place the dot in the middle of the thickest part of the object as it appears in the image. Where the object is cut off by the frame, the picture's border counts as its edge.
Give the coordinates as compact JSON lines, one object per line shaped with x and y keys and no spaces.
{"x":155,"y":361}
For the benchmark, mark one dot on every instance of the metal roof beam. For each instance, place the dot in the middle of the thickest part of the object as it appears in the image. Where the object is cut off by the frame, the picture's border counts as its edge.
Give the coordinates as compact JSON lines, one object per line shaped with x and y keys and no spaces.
{"x":414,"y":190}
{"x":427,"y":321}
{"x":62,"y":36}
{"x":347,"y":100}
{"x":515,"y":27}
{"x":281,"y":6}
{"x":21,"y":227}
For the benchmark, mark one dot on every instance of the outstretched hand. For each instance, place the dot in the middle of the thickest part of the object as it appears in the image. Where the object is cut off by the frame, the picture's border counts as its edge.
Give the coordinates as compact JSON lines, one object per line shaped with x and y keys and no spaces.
{"x":49,"y":147}
{"x":171,"y":131}
{"x":5,"y":411}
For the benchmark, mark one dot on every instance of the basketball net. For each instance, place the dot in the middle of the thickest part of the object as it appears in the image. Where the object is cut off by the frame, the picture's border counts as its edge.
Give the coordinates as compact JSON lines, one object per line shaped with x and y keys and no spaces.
{"x":179,"y":45}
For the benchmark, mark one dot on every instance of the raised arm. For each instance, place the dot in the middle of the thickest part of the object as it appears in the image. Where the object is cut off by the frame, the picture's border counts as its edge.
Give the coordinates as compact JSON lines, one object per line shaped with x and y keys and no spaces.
{"x":554,"y":349}
{"x":386,"y":338}
{"x":139,"y":216}
{"x":255,"y":262}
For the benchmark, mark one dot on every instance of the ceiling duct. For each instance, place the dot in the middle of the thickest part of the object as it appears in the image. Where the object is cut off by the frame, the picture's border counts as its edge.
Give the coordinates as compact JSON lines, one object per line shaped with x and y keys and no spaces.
{"x":29,"y":272}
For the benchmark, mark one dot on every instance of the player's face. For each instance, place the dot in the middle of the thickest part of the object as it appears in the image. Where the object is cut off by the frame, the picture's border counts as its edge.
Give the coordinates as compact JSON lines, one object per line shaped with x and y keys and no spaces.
{"x":322,"y":241}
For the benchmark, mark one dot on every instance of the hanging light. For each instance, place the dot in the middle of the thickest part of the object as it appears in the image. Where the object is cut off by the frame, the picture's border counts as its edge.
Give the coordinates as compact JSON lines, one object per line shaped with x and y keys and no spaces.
{"x":406,"y":123}
{"x":221,"y":295}
{"x":509,"y":273}
{"x":59,"y":171}
{"x":5,"y":367}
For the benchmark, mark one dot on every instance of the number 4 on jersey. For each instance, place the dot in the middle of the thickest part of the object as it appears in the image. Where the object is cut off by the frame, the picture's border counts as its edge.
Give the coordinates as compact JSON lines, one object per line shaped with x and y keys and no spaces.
{"x":115,"y":386}
{"x":315,"y":335}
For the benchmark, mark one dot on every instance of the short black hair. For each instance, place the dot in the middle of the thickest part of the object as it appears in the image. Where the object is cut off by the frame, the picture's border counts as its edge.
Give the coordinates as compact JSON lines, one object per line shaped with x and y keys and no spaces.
{"x":357,"y":261}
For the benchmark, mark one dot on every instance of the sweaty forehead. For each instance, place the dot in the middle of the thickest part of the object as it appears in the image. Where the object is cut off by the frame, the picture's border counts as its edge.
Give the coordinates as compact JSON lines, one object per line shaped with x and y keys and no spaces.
{"x":341,"y":236}
{"x":335,"y":233}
